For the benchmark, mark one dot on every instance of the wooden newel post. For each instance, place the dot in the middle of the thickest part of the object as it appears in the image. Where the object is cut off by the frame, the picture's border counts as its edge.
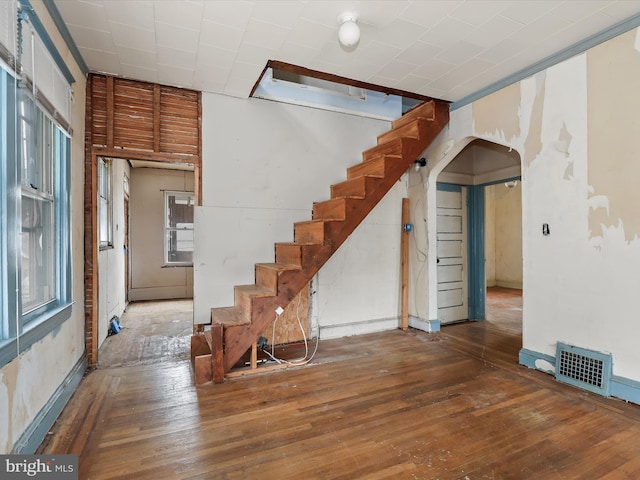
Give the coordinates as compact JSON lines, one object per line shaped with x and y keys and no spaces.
{"x":404,"y":246}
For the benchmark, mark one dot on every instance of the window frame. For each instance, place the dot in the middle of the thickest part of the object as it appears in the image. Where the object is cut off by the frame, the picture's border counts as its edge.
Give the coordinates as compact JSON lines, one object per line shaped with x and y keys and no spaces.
{"x":105,"y":203}
{"x":18,"y":330}
{"x":167,"y":229}
{"x":37,"y":186}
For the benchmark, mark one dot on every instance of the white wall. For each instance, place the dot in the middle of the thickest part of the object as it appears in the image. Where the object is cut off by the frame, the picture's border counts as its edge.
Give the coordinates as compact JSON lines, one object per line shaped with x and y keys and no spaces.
{"x":150,"y":279}
{"x":264,"y":164}
{"x":581,"y":281}
{"x":28,"y":383}
{"x":111,"y":266}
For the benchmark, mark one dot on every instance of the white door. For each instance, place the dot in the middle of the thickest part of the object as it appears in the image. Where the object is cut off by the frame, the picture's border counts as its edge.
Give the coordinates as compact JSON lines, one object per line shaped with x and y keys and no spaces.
{"x":452,"y":254}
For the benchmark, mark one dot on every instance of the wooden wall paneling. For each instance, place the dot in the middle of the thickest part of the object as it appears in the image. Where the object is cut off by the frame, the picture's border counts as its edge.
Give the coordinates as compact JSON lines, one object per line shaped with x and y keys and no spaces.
{"x":99,"y":114}
{"x":180,"y":125}
{"x":110,"y":106}
{"x":156,"y":118}
{"x":133,"y":115}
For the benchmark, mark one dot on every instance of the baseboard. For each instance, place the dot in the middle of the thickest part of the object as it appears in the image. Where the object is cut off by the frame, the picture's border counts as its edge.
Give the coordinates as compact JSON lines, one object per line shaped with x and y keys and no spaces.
{"x":539,"y":361}
{"x":619,"y":387}
{"x":424,"y":325}
{"x":358,"y":328}
{"x":515,"y":285}
{"x":625,"y":388}
{"x":33,"y":435}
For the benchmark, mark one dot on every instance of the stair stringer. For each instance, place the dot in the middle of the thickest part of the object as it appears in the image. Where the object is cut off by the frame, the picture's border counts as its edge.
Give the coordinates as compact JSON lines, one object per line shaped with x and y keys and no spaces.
{"x":239,"y":338}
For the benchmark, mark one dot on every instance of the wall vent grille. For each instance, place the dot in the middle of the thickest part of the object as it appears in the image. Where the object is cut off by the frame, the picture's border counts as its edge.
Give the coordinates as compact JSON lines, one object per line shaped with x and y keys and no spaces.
{"x":583,"y":368}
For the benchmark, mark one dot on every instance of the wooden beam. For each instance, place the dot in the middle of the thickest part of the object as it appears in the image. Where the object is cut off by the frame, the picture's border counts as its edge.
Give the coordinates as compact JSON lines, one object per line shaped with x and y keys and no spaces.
{"x":254,"y":355}
{"x":405,"y":264}
{"x":90,"y":237}
{"x":133,"y":154}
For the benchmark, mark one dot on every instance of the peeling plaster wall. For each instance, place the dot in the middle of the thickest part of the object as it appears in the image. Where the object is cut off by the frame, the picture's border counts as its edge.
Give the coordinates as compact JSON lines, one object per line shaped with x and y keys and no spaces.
{"x":264,"y":164}
{"x":613,"y":71}
{"x":28,"y":382}
{"x":575,"y":127}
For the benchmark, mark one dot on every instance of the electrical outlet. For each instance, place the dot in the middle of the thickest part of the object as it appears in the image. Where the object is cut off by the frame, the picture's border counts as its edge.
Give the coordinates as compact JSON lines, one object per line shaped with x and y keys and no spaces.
{"x":279,"y":311}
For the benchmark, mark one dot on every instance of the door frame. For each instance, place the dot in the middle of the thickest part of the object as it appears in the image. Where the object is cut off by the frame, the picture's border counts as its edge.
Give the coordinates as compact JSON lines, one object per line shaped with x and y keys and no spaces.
{"x":464,"y":192}
{"x":477,"y":290}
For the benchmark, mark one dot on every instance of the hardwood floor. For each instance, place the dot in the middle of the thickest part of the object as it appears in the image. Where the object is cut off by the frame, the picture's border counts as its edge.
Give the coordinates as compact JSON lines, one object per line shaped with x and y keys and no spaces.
{"x":154,"y":331}
{"x":392,"y":405}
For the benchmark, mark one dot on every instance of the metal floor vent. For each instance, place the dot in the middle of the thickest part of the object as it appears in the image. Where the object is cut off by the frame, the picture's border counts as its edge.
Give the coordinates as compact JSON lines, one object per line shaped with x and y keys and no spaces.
{"x":583,"y":368}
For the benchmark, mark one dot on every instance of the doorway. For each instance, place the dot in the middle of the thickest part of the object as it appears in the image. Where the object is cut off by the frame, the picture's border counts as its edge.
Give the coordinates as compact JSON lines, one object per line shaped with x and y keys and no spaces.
{"x":494,"y":223}
{"x":131,"y":260}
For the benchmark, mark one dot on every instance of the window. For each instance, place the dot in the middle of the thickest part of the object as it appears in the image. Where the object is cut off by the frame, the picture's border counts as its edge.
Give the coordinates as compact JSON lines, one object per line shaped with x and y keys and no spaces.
{"x":178,"y":228}
{"x":38,"y":206}
{"x":105,"y":216}
{"x":35,"y":252}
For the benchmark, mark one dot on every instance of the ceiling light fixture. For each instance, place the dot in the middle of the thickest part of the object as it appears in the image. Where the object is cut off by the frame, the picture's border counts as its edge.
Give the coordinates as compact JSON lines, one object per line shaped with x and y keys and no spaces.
{"x":349,"y":32}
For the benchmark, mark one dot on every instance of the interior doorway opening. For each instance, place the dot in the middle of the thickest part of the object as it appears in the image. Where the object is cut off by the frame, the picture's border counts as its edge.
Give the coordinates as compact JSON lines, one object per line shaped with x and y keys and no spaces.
{"x":488,"y":177}
{"x":137,"y":226}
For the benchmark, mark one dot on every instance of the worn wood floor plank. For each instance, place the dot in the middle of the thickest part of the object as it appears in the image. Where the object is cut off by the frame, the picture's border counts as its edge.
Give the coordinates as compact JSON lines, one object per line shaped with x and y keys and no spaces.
{"x":394,"y":405}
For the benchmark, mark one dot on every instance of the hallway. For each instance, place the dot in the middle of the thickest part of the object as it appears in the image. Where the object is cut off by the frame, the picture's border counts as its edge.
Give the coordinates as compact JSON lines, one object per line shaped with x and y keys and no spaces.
{"x":154,"y":331}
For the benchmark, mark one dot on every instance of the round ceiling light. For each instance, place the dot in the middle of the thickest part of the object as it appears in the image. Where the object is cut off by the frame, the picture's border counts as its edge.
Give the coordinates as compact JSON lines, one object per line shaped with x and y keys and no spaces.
{"x":349,"y":32}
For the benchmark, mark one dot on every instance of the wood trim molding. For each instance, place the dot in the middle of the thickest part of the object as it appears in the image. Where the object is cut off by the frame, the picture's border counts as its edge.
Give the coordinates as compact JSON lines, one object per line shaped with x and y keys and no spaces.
{"x":133,"y":154}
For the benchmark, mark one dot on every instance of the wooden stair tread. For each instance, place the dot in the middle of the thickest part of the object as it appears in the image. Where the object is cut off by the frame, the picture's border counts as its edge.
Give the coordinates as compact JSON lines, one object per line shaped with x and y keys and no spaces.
{"x":280,"y":267}
{"x":410,"y":130}
{"x":254,"y":290}
{"x":317,"y":221}
{"x":227,"y":316}
{"x":425,"y":110}
{"x":392,"y":148}
{"x":294,"y":244}
{"x":372,"y":168}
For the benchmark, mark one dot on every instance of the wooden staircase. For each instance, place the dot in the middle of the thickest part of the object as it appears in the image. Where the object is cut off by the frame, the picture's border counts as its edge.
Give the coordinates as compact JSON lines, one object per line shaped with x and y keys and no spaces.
{"x":235,"y":329}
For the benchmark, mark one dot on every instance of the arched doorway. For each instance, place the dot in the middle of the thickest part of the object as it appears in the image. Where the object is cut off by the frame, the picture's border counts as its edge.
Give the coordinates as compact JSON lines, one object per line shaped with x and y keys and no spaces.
{"x":466,"y":209}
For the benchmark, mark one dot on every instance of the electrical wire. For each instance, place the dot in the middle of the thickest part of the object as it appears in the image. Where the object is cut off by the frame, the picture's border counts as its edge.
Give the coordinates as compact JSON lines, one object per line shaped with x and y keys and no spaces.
{"x":299,"y":361}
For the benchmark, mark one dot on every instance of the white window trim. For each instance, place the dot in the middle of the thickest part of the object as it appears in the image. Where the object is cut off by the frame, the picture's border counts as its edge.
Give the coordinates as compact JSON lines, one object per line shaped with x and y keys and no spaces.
{"x":166,"y":229}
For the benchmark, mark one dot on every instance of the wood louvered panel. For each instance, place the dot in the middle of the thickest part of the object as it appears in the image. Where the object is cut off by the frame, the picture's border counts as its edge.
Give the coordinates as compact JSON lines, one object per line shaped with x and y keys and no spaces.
{"x":99,"y":110}
{"x":133,"y":115}
{"x":179,"y":125}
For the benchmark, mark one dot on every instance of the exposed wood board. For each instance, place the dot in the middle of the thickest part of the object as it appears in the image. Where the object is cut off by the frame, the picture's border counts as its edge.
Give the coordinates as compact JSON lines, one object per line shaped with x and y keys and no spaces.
{"x":287,"y":329}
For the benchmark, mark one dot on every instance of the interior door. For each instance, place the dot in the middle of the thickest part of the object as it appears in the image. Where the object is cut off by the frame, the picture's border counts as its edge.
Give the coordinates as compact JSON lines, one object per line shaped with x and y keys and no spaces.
{"x":452,"y":253}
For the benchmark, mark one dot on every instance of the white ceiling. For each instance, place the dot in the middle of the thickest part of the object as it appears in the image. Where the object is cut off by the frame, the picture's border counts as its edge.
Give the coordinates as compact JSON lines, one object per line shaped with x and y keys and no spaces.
{"x":443,"y":49}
